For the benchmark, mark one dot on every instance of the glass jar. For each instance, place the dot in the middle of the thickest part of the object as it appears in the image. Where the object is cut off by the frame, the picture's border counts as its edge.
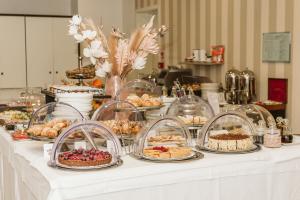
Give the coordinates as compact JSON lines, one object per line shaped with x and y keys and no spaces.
{"x":272,"y":137}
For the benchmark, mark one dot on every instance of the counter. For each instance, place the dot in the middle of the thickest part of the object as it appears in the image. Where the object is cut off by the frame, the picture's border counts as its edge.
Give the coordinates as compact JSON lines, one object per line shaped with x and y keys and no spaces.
{"x":270,"y":174}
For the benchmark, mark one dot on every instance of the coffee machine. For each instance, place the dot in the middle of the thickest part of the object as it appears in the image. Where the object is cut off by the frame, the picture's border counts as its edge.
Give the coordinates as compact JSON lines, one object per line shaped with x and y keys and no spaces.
{"x":240,"y":86}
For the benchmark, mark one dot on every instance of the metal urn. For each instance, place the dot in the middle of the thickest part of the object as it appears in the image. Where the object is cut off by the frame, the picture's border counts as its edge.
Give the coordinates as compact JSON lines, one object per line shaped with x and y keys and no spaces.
{"x":232,"y":86}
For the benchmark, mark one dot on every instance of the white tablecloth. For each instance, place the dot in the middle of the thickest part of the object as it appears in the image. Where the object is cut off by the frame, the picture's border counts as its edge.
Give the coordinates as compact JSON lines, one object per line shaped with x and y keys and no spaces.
{"x":270,"y":174}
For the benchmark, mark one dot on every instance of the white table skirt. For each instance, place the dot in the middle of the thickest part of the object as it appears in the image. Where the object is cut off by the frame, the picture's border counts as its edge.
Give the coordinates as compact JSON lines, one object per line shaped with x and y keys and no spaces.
{"x":271,"y":174}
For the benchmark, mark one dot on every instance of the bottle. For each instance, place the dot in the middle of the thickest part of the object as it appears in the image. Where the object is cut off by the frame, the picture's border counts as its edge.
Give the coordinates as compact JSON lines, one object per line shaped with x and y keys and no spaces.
{"x":286,"y":136}
{"x":260,"y":132}
{"x":161,"y":63}
{"x":272,"y":137}
{"x":164,"y":91}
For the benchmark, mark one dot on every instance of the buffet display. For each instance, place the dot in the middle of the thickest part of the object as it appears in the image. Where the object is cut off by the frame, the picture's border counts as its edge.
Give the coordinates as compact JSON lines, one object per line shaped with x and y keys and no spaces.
{"x":187,"y":126}
{"x":165,"y":140}
{"x":101,"y":148}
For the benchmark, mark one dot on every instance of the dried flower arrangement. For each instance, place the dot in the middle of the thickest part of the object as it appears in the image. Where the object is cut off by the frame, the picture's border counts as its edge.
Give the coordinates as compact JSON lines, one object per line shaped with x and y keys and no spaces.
{"x":115,"y":56}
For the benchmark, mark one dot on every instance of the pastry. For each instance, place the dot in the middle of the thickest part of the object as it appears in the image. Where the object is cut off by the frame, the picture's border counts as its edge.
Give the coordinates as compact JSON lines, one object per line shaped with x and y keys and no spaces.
{"x":144,"y":101}
{"x":193,"y":120}
{"x":162,"y":152}
{"x":124,"y":127}
{"x":230,"y":142}
{"x":50,"y":129}
{"x":82,"y":158}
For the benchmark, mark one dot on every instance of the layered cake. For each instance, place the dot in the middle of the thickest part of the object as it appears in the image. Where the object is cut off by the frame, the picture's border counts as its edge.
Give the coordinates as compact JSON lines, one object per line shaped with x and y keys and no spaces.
{"x":230,"y":142}
{"x":166,"y":138}
{"x":162,"y":152}
{"x":82,"y":158}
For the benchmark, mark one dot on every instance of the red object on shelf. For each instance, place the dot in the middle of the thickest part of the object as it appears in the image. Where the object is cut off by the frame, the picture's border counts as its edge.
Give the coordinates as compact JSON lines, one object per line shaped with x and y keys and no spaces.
{"x":217,"y":53}
{"x":161,"y":63}
{"x":278,"y":89}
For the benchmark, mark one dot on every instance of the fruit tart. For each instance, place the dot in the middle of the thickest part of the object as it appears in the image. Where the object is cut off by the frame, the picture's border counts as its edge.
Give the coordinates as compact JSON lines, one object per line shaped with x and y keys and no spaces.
{"x":84,"y":158}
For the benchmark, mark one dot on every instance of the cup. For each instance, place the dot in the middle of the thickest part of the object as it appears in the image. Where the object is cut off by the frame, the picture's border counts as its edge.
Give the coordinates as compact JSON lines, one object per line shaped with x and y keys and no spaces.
{"x":196,"y":54}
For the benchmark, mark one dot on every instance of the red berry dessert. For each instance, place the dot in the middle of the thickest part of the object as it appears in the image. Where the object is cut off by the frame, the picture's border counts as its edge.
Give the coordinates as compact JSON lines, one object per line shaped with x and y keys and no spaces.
{"x":81,"y":157}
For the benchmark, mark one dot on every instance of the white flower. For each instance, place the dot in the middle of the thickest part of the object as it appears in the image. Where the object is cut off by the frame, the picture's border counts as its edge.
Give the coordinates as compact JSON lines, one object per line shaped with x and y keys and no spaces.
{"x":73,"y":30}
{"x":79,"y":38}
{"x":76,"y":20}
{"x":139,"y":63}
{"x":89,"y":34}
{"x":106,"y":66}
{"x":100,"y":72}
{"x":95,"y":50}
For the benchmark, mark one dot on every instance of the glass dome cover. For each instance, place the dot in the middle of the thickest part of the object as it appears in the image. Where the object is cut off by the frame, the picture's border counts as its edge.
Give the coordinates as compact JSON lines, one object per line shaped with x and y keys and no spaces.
{"x":48,"y":121}
{"x":121,"y":116}
{"x":100,"y":148}
{"x":141,"y":94}
{"x":192,"y":110}
{"x":228,"y":132}
{"x":166,"y":139}
{"x":257,"y":113}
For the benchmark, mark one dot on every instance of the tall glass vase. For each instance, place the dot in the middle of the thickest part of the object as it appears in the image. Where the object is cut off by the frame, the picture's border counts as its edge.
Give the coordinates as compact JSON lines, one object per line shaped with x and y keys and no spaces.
{"x":112,"y":85}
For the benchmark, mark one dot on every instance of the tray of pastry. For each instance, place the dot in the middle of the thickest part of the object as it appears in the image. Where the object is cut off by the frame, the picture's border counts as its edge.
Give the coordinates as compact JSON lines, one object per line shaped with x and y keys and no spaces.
{"x":162,"y":154}
{"x":87,"y":72}
{"x":49,"y":131}
{"x":145,"y":102}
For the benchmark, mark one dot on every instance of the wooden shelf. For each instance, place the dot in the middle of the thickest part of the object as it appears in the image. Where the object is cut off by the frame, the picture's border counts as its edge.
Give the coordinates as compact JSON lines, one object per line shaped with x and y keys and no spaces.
{"x":200,"y":63}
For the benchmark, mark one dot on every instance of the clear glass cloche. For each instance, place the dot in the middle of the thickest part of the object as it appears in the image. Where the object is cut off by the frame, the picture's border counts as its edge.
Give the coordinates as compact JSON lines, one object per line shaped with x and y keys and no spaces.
{"x":192,"y":110}
{"x":165,"y":139}
{"x":256,"y":114}
{"x":228,"y":132}
{"x":121,"y":116}
{"x":141,"y":93}
{"x":98,"y":148}
{"x":49,"y":120}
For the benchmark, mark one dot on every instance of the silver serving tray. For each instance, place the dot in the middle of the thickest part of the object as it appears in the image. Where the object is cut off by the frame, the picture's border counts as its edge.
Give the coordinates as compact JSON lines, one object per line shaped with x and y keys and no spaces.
{"x":116,"y":163}
{"x":196,"y":155}
{"x":254,"y":148}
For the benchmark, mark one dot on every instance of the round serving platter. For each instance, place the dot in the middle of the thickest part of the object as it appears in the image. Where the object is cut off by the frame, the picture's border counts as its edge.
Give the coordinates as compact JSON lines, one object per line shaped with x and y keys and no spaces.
{"x":52,"y":140}
{"x":141,"y":108}
{"x":254,"y":148}
{"x":196,"y":155}
{"x":116,"y":163}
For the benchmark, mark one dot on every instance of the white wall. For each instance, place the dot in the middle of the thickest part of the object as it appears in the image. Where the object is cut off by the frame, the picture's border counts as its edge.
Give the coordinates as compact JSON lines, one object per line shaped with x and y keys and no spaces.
{"x":38,"y":7}
{"x":118,"y":13}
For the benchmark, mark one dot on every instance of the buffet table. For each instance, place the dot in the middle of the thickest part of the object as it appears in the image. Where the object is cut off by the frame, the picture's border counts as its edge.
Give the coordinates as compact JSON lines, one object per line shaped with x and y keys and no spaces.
{"x":270,"y":174}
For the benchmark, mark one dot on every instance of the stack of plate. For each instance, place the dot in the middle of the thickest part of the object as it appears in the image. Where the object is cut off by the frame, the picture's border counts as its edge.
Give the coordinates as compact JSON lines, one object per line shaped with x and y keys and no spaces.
{"x":81,"y":101}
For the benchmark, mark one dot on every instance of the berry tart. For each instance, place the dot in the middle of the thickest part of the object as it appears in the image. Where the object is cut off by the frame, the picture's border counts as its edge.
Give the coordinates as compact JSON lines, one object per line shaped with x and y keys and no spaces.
{"x":84,"y":158}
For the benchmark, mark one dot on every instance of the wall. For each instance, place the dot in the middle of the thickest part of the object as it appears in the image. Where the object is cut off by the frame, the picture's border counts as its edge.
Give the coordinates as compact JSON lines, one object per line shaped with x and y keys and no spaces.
{"x":42,"y":7}
{"x":238,"y":24}
{"x":118,"y":13}
{"x":141,"y":4}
